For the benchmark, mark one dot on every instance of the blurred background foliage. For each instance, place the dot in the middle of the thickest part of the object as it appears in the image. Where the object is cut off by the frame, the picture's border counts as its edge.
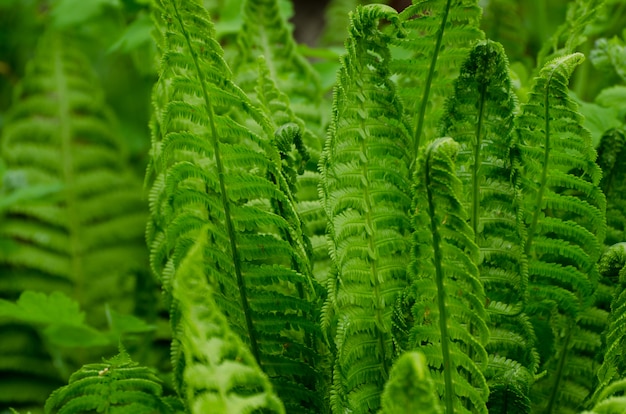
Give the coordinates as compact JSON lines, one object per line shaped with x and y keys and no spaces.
{"x":115,"y":35}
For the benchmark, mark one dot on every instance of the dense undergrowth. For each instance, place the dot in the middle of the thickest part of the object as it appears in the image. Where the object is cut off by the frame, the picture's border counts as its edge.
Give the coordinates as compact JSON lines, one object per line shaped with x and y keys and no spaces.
{"x":431,"y":218}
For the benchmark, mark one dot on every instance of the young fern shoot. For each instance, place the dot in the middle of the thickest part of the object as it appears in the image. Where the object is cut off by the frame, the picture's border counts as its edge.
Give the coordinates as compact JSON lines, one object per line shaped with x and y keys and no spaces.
{"x":480,"y":118}
{"x":448,"y":314}
{"x":365,"y":187}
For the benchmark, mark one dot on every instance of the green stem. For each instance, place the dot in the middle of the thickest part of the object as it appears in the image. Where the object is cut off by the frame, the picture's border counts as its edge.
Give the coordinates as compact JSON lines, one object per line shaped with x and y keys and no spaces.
{"x":441,"y":294}
{"x":419,"y":121}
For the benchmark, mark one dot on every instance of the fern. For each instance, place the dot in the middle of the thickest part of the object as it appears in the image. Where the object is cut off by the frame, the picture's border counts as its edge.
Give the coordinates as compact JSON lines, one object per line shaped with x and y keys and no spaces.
{"x":480,"y":118}
{"x":439,"y":35}
{"x":449,"y":319}
{"x":216,"y":172}
{"x":613,"y":265}
{"x":564,"y":211}
{"x":87,"y":239}
{"x":410,"y":388}
{"x":116,"y":385}
{"x":365,"y":194}
{"x":220,"y":374}
{"x":612,"y":160}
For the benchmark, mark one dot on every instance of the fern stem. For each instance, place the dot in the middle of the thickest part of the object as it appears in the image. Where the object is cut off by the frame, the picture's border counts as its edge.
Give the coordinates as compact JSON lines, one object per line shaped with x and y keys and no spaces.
{"x":559,"y":372}
{"x":377,"y":297}
{"x":441,"y":296}
{"x":65,"y":134}
{"x":544,"y":172}
{"x":417,"y":133}
{"x":254,"y":347}
{"x":477,"y":162}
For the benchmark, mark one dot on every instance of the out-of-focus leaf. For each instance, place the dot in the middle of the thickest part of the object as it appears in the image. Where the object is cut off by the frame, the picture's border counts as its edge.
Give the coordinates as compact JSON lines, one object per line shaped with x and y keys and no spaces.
{"x":67,"y":13}
{"x":38,"y":308}
{"x":72,"y":336}
{"x":121,"y":324}
{"x":135,"y":35}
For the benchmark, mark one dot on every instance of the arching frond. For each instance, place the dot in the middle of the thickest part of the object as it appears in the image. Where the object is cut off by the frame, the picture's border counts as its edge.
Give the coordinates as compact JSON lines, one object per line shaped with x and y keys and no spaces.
{"x":365,"y":187}
{"x":449,"y":318}
{"x":216,"y":173}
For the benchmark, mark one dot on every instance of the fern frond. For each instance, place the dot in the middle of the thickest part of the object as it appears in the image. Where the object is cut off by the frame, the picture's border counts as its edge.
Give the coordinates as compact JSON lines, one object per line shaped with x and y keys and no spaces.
{"x":564,"y":210}
{"x":439,"y":35}
{"x":449,"y":315}
{"x":612,"y":399}
{"x":613,"y":263}
{"x":116,"y":385}
{"x":509,"y":386}
{"x":480,"y":118}
{"x":612,"y":161}
{"x":85,"y":239}
{"x":220,"y":175}
{"x":365,"y":187}
{"x":265,"y":33}
{"x":220,"y":374}
{"x":410,"y":388}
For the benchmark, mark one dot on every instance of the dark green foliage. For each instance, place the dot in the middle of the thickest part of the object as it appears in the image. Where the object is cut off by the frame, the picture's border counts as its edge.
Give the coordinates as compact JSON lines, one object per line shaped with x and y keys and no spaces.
{"x":564,"y":211}
{"x":215,"y":173}
{"x":85,"y":238}
{"x":365,"y":191}
{"x":118,"y":385}
{"x":448,"y":316}
{"x":439,"y":35}
{"x":612,"y":160}
{"x":409,"y":388}
{"x":613,"y":266}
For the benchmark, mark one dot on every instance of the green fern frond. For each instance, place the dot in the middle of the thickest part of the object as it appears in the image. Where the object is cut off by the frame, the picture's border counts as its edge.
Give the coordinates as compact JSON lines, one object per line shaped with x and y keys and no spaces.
{"x":612,"y":161}
{"x":612,"y":399}
{"x":448,"y":315}
{"x":409,"y":388}
{"x":116,"y":385}
{"x":439,"y":35}
{"x":365,"y":187}
{"x":564,"y":211}
{"x":86,"y":238}
{"x":220,"y":374}
{"x":509,"y":386}
{"x":613,"y":266}
{"x":480,"y":118}
{"x":220,"y":175}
